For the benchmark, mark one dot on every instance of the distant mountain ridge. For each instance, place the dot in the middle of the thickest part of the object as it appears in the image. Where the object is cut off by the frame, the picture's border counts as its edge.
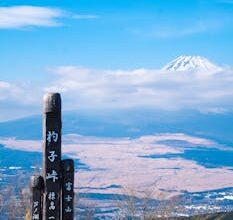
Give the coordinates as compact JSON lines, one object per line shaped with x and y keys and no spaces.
{"x":134,"y":123}
{"x":190,"y":63}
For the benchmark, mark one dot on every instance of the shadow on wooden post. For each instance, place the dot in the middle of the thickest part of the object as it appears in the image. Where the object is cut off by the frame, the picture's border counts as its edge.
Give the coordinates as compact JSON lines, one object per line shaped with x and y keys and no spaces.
{"x":37,"y":187}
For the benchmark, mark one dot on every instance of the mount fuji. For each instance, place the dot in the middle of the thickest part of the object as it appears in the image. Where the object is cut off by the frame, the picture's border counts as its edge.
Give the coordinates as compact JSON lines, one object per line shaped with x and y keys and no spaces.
{"x":191,"y":63}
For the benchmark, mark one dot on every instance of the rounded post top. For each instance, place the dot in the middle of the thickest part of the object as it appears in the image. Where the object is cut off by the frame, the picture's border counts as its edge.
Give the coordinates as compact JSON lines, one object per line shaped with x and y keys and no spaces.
{"x":68,"y":165}
{"x":37,"y":182}
{"x":52,"y":102}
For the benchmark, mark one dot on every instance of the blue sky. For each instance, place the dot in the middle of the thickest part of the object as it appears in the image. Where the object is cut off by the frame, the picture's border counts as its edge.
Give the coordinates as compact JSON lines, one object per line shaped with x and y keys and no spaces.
{"x":38,"y":37}
{"x":120,"y":34}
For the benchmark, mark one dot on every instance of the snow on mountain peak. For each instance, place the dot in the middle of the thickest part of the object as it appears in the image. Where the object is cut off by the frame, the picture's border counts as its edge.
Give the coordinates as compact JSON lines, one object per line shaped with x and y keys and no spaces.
{"x":190,"y":63}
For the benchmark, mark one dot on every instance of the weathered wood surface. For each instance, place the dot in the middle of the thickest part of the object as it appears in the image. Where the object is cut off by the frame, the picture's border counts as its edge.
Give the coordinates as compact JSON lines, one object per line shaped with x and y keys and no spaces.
{"x":37,"y":187}
{"x":52,"y":156}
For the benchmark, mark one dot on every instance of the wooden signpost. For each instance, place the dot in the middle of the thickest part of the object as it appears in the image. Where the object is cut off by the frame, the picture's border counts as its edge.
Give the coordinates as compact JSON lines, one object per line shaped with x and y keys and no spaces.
{"x":58,"y":176}
{"x":52,"y":155}
{"x":67,"y":189}
{"x":37,"y":187}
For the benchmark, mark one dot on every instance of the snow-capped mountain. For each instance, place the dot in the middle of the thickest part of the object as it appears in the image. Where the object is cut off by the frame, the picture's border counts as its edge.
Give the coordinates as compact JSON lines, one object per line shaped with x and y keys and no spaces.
{"x":190,"y":63}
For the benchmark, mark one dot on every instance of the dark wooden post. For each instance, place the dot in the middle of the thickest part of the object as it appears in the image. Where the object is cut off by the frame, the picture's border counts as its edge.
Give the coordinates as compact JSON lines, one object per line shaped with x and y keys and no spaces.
{"x":37,"y":187}
{"x":67,"y":189}
{"x":52,"y":156}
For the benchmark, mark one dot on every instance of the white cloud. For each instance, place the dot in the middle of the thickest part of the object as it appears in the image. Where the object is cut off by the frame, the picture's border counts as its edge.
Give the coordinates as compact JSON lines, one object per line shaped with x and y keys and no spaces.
{"x":169,"y":31}
{"x":4,"y":85}
{"x":178,"y":28}
{"x":144,"y":88}
{"x":22,"y":16}
{"x":83,"y":88}
{"x":20,"y":93}
{"x":19,"y":99}
{"x":85,"y":16}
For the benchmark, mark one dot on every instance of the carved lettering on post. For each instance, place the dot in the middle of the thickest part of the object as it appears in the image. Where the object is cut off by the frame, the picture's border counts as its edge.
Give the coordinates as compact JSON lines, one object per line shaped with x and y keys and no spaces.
{"x":52,"y":156}
{"x":37,"y":187}
{"x":67,"y":189}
